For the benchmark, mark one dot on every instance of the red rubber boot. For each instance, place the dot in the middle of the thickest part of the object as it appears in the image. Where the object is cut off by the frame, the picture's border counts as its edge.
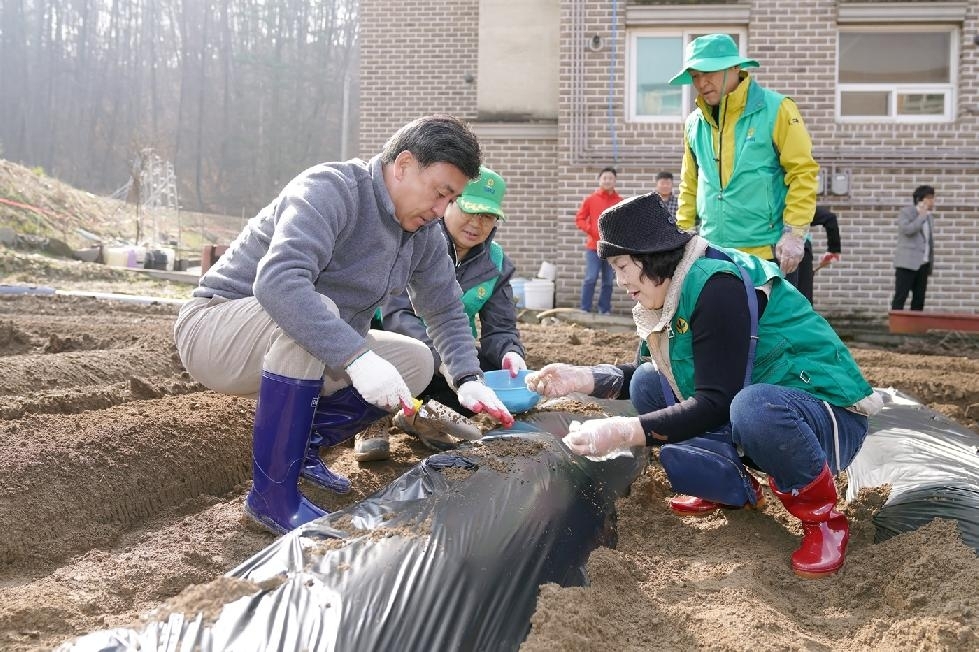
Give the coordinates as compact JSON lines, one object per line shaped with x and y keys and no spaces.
{"x":825,"y":531}
{"x":694,"y":506}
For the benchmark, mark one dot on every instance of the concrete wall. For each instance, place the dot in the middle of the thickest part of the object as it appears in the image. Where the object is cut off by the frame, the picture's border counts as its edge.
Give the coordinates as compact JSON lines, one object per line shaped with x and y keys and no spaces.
{"x":415,"y":56}
{"x":518,"y":60}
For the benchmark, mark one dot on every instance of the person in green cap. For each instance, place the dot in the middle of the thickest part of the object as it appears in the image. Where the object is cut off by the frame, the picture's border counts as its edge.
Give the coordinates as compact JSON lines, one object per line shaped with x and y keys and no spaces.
{"x":484,"y":272}
{"x":748,"y":173}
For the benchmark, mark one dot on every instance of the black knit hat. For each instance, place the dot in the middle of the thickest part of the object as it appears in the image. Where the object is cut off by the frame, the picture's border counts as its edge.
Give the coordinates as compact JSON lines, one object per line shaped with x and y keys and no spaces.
{"x":638,"y":225}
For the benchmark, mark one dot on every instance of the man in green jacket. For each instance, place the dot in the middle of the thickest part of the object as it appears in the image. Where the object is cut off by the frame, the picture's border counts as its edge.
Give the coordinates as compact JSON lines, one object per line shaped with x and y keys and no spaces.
{"x":748,"y":171}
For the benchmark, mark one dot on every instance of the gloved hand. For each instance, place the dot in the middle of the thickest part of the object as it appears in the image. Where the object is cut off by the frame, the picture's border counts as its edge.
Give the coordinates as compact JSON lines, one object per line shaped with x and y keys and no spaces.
{"x":600,"y":437}
{"x":790,"y":248}
{"x":828,"y":257}
{"x":560,"y":379}
{"x":476,"y":396}
{"x":378,"y":381}
{"x":513,"y":363}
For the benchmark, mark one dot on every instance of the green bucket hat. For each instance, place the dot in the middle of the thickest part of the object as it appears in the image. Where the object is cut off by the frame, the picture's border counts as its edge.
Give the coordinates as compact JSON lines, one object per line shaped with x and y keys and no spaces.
{"x":710,"y":53}
{"x":483,"y":194}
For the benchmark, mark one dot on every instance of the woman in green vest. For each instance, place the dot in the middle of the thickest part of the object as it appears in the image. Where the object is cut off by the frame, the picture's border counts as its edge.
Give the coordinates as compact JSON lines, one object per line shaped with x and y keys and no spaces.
{"x":740,"y":370}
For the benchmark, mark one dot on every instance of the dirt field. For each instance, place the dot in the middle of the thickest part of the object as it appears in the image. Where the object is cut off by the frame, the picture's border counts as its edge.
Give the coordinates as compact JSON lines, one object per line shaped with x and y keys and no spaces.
{"x":121,"y":484}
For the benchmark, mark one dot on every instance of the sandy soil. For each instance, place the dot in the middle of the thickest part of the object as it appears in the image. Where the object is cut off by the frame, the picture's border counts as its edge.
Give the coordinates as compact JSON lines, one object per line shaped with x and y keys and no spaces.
{"x":121,"y":484}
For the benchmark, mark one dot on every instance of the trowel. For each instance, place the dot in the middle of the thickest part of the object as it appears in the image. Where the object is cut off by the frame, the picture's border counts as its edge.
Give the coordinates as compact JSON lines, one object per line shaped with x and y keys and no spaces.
{"x":433,"y":417}
{"x":447,"y":420}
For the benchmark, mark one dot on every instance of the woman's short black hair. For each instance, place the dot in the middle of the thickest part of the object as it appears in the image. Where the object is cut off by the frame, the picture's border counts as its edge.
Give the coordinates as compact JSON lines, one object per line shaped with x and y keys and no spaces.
{"x":661,"y":265}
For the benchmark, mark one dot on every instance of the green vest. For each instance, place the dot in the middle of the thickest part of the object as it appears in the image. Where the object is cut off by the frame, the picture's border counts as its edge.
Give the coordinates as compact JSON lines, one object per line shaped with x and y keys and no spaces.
{"x":796,"y":346}
{"x":476,"y":297}
{"x":747,"y":211}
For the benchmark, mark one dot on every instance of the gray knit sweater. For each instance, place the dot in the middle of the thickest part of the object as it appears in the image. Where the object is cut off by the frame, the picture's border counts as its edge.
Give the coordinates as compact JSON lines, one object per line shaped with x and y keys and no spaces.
{"x":332,"y":231}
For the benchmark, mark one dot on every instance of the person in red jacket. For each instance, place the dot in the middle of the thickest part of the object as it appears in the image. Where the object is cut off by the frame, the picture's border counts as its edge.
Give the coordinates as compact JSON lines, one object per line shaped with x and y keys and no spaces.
{"x":587,"y":221}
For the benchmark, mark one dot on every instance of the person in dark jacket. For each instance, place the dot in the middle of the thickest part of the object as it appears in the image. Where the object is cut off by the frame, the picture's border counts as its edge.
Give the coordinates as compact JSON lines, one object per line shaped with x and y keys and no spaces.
{"x":915,"y":249}
{"x":742,"y":370}
{"x":825,"y":218}
{"x":483,"y":271}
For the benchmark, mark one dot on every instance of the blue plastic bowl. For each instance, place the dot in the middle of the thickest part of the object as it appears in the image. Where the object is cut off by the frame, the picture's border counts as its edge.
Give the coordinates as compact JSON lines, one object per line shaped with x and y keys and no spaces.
{"x":512,"y":391}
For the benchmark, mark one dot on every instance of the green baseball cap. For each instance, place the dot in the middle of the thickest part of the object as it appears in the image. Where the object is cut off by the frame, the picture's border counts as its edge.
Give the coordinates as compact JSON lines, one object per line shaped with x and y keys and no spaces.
{"x":483,"y":194}
{"x":710,"y":53}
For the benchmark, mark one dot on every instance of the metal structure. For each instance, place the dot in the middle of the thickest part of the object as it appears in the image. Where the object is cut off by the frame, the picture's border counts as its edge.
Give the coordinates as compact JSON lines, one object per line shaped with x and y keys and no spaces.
{"x":152,"y":184}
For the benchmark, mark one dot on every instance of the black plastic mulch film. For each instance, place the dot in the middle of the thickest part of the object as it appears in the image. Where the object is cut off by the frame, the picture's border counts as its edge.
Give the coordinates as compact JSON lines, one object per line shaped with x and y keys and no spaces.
{"x":450,"y":555}
{"x":931,"y":463}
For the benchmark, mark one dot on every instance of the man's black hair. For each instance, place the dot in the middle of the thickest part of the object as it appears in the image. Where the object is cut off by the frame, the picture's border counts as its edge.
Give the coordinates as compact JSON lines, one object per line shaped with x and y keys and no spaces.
{"x":439,"y":138}
{"x":664,"y":175}
{"x":661,"y":265}
{"x":921,"y":192}
{"x":604,"y":170}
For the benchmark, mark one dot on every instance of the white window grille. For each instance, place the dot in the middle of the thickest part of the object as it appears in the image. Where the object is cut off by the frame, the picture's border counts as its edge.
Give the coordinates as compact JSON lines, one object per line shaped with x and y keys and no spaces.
{"x":896,"y":74}
{"x":653,"y":57}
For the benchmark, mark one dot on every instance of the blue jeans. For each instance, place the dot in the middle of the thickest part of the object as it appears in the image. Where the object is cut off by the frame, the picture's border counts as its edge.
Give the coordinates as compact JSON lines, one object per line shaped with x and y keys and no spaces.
{"x":594,"y":265}
{"x":786,"y":432}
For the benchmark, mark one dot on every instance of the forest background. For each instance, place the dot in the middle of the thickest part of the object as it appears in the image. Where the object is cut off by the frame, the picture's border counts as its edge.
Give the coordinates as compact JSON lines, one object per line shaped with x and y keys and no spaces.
{"x":238,"y":94}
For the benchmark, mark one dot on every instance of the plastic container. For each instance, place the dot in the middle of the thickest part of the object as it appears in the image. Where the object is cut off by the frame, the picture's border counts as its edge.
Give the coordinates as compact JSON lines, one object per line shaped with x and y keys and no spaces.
{"x":548,"y":271}
{"x":539,"y":294}
{"x":116,"y":256}
{"x":136,"y":257}
{"x":512,"y":391}
{"x":171,"y":257}
{"x":517,"y":285}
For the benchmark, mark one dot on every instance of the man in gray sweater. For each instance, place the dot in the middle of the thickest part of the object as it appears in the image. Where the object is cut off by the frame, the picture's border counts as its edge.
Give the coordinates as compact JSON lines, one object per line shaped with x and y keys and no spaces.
{"x":284,"y":315}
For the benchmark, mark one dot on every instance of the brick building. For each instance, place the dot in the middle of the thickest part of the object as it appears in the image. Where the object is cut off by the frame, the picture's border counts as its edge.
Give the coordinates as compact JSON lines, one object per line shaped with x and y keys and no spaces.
{"x":558,"y":89}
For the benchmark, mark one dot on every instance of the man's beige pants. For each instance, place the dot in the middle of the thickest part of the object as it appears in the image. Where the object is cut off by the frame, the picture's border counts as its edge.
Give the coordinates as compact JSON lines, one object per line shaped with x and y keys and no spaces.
{"x":226,"y":344}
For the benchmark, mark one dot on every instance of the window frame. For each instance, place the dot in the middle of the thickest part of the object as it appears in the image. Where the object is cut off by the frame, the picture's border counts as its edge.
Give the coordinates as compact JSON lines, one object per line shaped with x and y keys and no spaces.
{"x":894,"y":90}
{"x":684,"y":32}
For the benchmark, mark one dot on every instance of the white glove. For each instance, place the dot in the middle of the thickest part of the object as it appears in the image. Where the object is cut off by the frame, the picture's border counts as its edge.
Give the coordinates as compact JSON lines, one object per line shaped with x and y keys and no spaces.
{"x":379,"y":382}
{"x":476,"y":396}
{"x":560,"y":379}
{"x":600,"y":437}
{"x":790,"y":248}
{"x":513,"y":363}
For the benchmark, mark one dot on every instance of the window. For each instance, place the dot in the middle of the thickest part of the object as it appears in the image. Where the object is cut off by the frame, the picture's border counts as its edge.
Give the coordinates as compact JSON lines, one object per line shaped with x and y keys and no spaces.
{"x":896,"y":75}
{"x":654,"y":57}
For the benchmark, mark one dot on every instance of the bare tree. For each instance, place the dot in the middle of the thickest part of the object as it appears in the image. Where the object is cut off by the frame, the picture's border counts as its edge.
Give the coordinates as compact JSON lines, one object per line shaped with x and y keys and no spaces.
{"x":239,"y":94}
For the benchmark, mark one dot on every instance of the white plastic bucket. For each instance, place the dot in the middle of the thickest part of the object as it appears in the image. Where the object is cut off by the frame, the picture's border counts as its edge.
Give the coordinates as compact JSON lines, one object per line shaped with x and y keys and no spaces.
{"x":171,"y":255}
{"x":115,"y":256}
{"x":548,"y":271}
{"x":539,"y":294}
{"x":517,"y":284}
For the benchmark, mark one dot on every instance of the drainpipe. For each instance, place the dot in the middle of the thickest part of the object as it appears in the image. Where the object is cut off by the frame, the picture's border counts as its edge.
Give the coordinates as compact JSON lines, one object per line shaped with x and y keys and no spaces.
{"x":611,"y":81}
{"x":577,"y":81}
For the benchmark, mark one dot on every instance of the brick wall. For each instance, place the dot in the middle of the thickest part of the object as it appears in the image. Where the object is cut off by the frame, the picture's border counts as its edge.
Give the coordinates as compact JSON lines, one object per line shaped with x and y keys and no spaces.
{"x":413,"y":60}
{"x":528,"y":165}
{"x":414,"y":55}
